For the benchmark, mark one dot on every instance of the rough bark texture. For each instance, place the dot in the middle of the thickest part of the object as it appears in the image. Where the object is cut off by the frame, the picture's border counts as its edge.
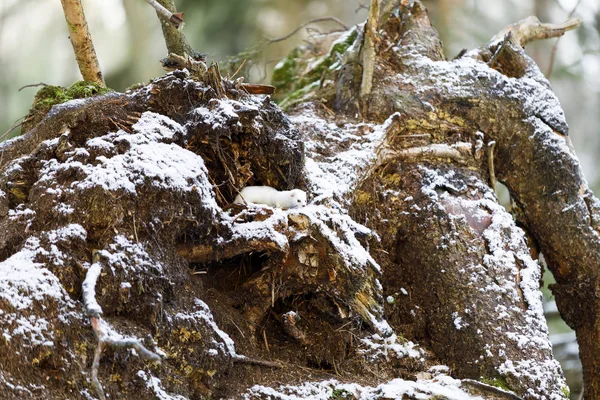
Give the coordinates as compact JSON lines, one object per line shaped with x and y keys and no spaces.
{"x":174,"y":39}
{"x":403,"y":240}
{"x":82,"y":42}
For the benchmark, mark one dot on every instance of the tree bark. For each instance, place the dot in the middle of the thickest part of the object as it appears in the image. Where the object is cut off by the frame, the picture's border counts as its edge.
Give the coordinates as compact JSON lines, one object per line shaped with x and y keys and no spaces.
{"x":82,"y":42}
{"x":174,"y":38}
{"x":403,"y":241}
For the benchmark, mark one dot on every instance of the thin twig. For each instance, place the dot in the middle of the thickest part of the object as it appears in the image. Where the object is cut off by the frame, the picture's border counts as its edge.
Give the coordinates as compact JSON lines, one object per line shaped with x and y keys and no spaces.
{"x":14,"y":126}
{"x":491,"y":146}
{"x":312,"y":21}
{"x":256,"y":361}
{"x":239,"y":69}
{"x":32,"y":85}
{"x":555,"y":47}
{"x":175,"y":18}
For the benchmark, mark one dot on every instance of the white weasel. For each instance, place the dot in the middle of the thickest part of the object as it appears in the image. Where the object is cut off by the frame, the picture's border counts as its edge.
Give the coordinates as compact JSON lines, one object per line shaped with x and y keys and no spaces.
{"x":271,"y":197}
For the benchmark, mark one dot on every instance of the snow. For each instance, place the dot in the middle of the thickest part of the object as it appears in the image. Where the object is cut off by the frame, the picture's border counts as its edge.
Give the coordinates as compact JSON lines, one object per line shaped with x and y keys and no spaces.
{"x":508,"y":272}
{"x":335,"y":175}
{"x":260,"y":230}
{"x":150,"y":157}
{"x":352,"y":252}
{"x":223,"y":113}
{"x":89,"y":290}
{"x":155,"y":385}
{"x":27,"y":285}
{"x":129,"y":257}
{"x":441,"y":386}
{"x":376,"y":347}
{"x":23,"y":281}
{"x":204,"y":315}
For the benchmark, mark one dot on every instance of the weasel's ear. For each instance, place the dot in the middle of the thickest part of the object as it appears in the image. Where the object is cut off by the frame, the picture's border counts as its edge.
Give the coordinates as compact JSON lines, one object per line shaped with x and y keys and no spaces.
{"x":293,"y":195}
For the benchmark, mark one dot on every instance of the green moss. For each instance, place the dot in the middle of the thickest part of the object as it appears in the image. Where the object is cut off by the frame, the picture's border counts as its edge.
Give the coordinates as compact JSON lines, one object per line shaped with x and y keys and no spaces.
{"x":497,"y":382}
{"x":339,"y":394}
{"x":341,"y":47}
{"x":566,"y":392}
{"x":299,"y":95}
{"x":298,"y":75}
{"x":50,"y":95}
{"x":286,"y":70}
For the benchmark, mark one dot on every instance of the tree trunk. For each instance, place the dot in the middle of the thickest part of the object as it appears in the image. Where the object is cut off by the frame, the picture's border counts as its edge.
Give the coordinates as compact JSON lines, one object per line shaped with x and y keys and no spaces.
{"x":81,"y":40}
{"x":120,"y":232}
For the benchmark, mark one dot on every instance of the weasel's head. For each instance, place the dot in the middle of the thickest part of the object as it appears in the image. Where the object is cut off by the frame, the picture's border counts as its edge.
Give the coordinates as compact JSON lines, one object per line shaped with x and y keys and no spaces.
{"x":298,"y":198}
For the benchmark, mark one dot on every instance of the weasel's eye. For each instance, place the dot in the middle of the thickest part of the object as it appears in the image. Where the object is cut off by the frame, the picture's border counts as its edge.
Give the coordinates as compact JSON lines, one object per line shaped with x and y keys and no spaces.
{"x":299,"y":201}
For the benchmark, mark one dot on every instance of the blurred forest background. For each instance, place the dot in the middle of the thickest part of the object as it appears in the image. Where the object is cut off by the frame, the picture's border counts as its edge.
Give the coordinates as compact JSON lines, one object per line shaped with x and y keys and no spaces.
{"x":34,"y":47}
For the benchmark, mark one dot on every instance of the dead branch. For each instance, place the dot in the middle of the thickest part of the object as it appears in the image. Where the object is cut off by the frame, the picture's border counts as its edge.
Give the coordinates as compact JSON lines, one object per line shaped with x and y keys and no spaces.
{"x":174,"y":37}
{"x":82,"y":42}
{"x":32,"y":85}
{"x":175,"y":18}
{"x":368,"y":51}
{"x":530,"y":29}
{"x":555,"y":47}
{"x":491,"y":146}
{"x":312,"y":21}
{"x":255,"y":361}
{"x":104,"y":333}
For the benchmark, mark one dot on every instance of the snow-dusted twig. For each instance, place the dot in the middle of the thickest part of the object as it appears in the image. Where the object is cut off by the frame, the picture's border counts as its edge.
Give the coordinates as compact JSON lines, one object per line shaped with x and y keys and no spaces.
{"x":175,"y":18}
{"x":103,"y":332}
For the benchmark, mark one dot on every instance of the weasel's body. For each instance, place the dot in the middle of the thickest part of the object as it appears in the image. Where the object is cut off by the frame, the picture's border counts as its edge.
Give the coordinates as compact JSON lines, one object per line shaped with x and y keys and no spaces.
{"x":271,"y":197}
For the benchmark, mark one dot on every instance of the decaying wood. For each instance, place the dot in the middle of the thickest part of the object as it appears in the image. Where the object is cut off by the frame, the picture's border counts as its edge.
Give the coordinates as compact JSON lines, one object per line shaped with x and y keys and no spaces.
{"x":531,"y":29}
{"x":305,"y":287}
{"x":368,"y":50}
{"x":82,"y":42}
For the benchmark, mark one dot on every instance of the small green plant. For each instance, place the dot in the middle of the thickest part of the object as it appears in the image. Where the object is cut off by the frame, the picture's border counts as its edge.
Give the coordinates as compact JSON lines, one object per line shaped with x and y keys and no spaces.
{"x":339,"y":394}
{"x":51,"y":95}
{"x":496,"y":382}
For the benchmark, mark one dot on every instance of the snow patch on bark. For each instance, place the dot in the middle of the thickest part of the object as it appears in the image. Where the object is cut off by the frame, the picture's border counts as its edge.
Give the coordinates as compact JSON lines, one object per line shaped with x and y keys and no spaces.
{"x":148,"y":157}
{"x":377,"y":347}
{"x":510,"y":278}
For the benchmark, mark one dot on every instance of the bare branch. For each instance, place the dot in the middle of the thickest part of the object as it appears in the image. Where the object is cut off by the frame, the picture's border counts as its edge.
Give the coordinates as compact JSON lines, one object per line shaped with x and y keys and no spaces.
{"x":312,"y":21}
{"x":555,"y":47}
{"x":530,"y":29}
{"x":82,"y":42}
{"x":176,"y":19}
{"x":32,"y":85}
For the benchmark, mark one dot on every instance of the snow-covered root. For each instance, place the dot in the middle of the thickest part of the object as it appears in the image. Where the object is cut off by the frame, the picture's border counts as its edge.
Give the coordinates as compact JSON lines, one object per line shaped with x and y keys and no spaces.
{"x":104,"y":333}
